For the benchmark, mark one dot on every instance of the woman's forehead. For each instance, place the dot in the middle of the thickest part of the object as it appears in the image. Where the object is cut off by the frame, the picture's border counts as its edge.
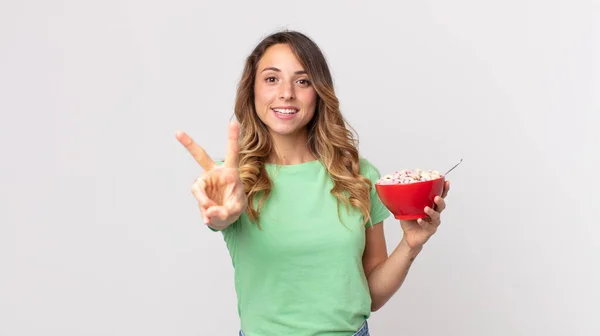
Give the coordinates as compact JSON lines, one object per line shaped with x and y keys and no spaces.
{"x":280,"y":57}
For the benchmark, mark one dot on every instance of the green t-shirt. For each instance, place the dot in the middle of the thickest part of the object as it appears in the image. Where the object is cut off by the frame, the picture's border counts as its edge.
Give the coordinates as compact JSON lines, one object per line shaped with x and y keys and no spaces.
{"x":302,"y":274}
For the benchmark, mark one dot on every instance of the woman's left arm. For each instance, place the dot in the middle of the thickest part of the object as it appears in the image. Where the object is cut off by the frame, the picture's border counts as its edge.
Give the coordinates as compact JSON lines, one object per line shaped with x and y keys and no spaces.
{"x":385,"y":274}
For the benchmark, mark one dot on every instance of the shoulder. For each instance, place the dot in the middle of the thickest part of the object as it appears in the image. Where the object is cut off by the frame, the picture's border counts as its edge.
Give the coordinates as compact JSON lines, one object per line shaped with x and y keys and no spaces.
{"x":369,"y":170}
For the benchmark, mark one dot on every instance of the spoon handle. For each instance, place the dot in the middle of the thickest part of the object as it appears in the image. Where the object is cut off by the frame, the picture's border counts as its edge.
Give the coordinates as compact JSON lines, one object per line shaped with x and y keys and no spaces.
{"x":456,"y":165}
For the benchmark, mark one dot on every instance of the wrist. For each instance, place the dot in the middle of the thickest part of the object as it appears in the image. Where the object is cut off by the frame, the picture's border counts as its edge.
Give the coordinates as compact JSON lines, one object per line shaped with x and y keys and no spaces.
{"x":408,"y":250}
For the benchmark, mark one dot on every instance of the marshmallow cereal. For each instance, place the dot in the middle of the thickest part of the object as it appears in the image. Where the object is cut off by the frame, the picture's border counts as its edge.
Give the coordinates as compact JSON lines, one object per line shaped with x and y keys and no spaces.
{"x":409,"y":176}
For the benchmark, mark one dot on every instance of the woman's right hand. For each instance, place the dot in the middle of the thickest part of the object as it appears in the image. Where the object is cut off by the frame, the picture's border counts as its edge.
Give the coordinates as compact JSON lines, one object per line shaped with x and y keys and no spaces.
{"x":219,"y":189}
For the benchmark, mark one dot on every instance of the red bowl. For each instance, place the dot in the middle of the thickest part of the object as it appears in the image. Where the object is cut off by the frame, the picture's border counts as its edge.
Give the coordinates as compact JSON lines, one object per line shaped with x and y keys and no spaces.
{"x":408,"y":201}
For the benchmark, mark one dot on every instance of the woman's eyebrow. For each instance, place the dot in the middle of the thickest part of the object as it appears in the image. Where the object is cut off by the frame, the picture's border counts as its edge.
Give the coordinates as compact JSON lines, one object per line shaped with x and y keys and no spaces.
{"x":299,"y":72}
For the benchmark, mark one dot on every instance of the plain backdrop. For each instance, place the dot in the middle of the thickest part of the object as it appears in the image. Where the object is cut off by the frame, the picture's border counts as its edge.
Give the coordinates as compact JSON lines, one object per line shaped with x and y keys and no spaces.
{"x":100,"y":234}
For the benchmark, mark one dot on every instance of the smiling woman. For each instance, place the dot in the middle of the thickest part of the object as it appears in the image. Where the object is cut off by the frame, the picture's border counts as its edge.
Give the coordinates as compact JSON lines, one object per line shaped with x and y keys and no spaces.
{"x":303,"y":265}
{"x":284,"y":99}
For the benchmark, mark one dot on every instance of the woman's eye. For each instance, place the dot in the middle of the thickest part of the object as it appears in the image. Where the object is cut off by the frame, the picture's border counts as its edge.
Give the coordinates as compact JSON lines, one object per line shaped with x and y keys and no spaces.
{"x":303,"y":82}
{"x":271,"y":79}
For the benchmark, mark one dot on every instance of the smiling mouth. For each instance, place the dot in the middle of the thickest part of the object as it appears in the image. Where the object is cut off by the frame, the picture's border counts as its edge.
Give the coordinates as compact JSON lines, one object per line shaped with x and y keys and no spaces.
{"x":285,"y":111}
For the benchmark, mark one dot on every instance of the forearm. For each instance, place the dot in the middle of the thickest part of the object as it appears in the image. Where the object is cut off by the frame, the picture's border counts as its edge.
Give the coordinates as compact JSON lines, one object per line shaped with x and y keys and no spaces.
{"x":387,"y":277}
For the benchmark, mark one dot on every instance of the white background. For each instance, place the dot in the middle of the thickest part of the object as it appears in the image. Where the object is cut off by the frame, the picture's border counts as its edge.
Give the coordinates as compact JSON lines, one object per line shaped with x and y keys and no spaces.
{"x":100,"y":235}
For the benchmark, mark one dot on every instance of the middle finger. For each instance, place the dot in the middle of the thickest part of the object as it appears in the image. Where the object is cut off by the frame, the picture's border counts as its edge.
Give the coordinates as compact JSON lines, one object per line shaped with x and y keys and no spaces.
{"x":440,"y":204}
{"x":435,"y":216}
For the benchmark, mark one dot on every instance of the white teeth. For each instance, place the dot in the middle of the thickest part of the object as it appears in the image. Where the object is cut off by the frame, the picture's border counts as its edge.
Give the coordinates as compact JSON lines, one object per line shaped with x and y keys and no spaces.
{"x":285,"y":111}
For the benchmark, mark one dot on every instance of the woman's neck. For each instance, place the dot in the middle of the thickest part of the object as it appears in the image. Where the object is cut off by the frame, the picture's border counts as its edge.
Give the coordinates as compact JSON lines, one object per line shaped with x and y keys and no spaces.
{"x":290,"y":149}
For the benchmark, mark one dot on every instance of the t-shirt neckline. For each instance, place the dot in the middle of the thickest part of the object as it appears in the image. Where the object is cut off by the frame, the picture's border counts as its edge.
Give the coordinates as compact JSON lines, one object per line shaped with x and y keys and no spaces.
{"x":295,"y":166}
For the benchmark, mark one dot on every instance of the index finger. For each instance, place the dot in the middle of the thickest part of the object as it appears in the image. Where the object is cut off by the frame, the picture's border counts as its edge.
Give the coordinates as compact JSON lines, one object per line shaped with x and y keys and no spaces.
{"x":196,"y":151}
{"x":231,"y":158}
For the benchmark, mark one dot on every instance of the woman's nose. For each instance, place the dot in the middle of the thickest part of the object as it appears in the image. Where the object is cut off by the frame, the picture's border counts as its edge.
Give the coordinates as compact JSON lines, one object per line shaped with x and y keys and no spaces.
{"x":287,"y":92}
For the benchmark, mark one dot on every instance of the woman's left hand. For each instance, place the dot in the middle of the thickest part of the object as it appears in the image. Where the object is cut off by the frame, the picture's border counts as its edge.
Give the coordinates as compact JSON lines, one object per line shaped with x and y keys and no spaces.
{"x":417,"y":232}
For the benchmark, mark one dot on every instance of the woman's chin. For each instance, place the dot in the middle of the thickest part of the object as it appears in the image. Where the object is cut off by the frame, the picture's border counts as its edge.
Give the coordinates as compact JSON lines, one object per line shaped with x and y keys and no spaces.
{"x":285,"y":130}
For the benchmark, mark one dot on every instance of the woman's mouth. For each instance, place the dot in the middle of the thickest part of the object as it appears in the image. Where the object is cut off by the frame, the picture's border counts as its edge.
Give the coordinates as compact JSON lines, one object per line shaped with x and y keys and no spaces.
{"x":285,"y":113}
{"x":285,"y":110}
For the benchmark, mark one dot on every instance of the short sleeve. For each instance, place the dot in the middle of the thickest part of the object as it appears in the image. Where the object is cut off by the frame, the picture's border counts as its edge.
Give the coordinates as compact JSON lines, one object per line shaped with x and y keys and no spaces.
{"x":378,"y":212}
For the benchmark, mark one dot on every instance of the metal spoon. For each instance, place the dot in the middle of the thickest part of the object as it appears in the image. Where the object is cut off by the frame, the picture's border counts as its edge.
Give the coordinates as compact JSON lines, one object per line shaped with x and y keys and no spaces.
{"x":456,"y":165}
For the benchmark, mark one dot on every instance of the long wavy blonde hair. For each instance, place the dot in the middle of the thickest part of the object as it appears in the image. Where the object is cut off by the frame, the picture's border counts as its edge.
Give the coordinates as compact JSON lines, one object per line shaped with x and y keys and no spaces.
{"x":330,"y":138}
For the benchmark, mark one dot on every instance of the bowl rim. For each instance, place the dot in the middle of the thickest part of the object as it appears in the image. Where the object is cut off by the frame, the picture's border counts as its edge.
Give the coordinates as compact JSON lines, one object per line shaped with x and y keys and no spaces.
{"x":412,"y":183}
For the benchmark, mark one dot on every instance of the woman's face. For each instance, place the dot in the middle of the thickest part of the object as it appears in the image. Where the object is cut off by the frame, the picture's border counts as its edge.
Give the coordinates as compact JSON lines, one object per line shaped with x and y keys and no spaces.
{"x":283,"y":97}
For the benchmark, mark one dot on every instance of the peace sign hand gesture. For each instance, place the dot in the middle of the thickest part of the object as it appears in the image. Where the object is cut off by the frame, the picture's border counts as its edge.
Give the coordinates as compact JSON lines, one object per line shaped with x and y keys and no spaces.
{"x":219,"y":189}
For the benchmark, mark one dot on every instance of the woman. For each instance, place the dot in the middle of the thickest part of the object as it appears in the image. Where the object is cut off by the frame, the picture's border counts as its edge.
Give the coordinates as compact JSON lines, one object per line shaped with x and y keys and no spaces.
{"x":296,"y":204}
